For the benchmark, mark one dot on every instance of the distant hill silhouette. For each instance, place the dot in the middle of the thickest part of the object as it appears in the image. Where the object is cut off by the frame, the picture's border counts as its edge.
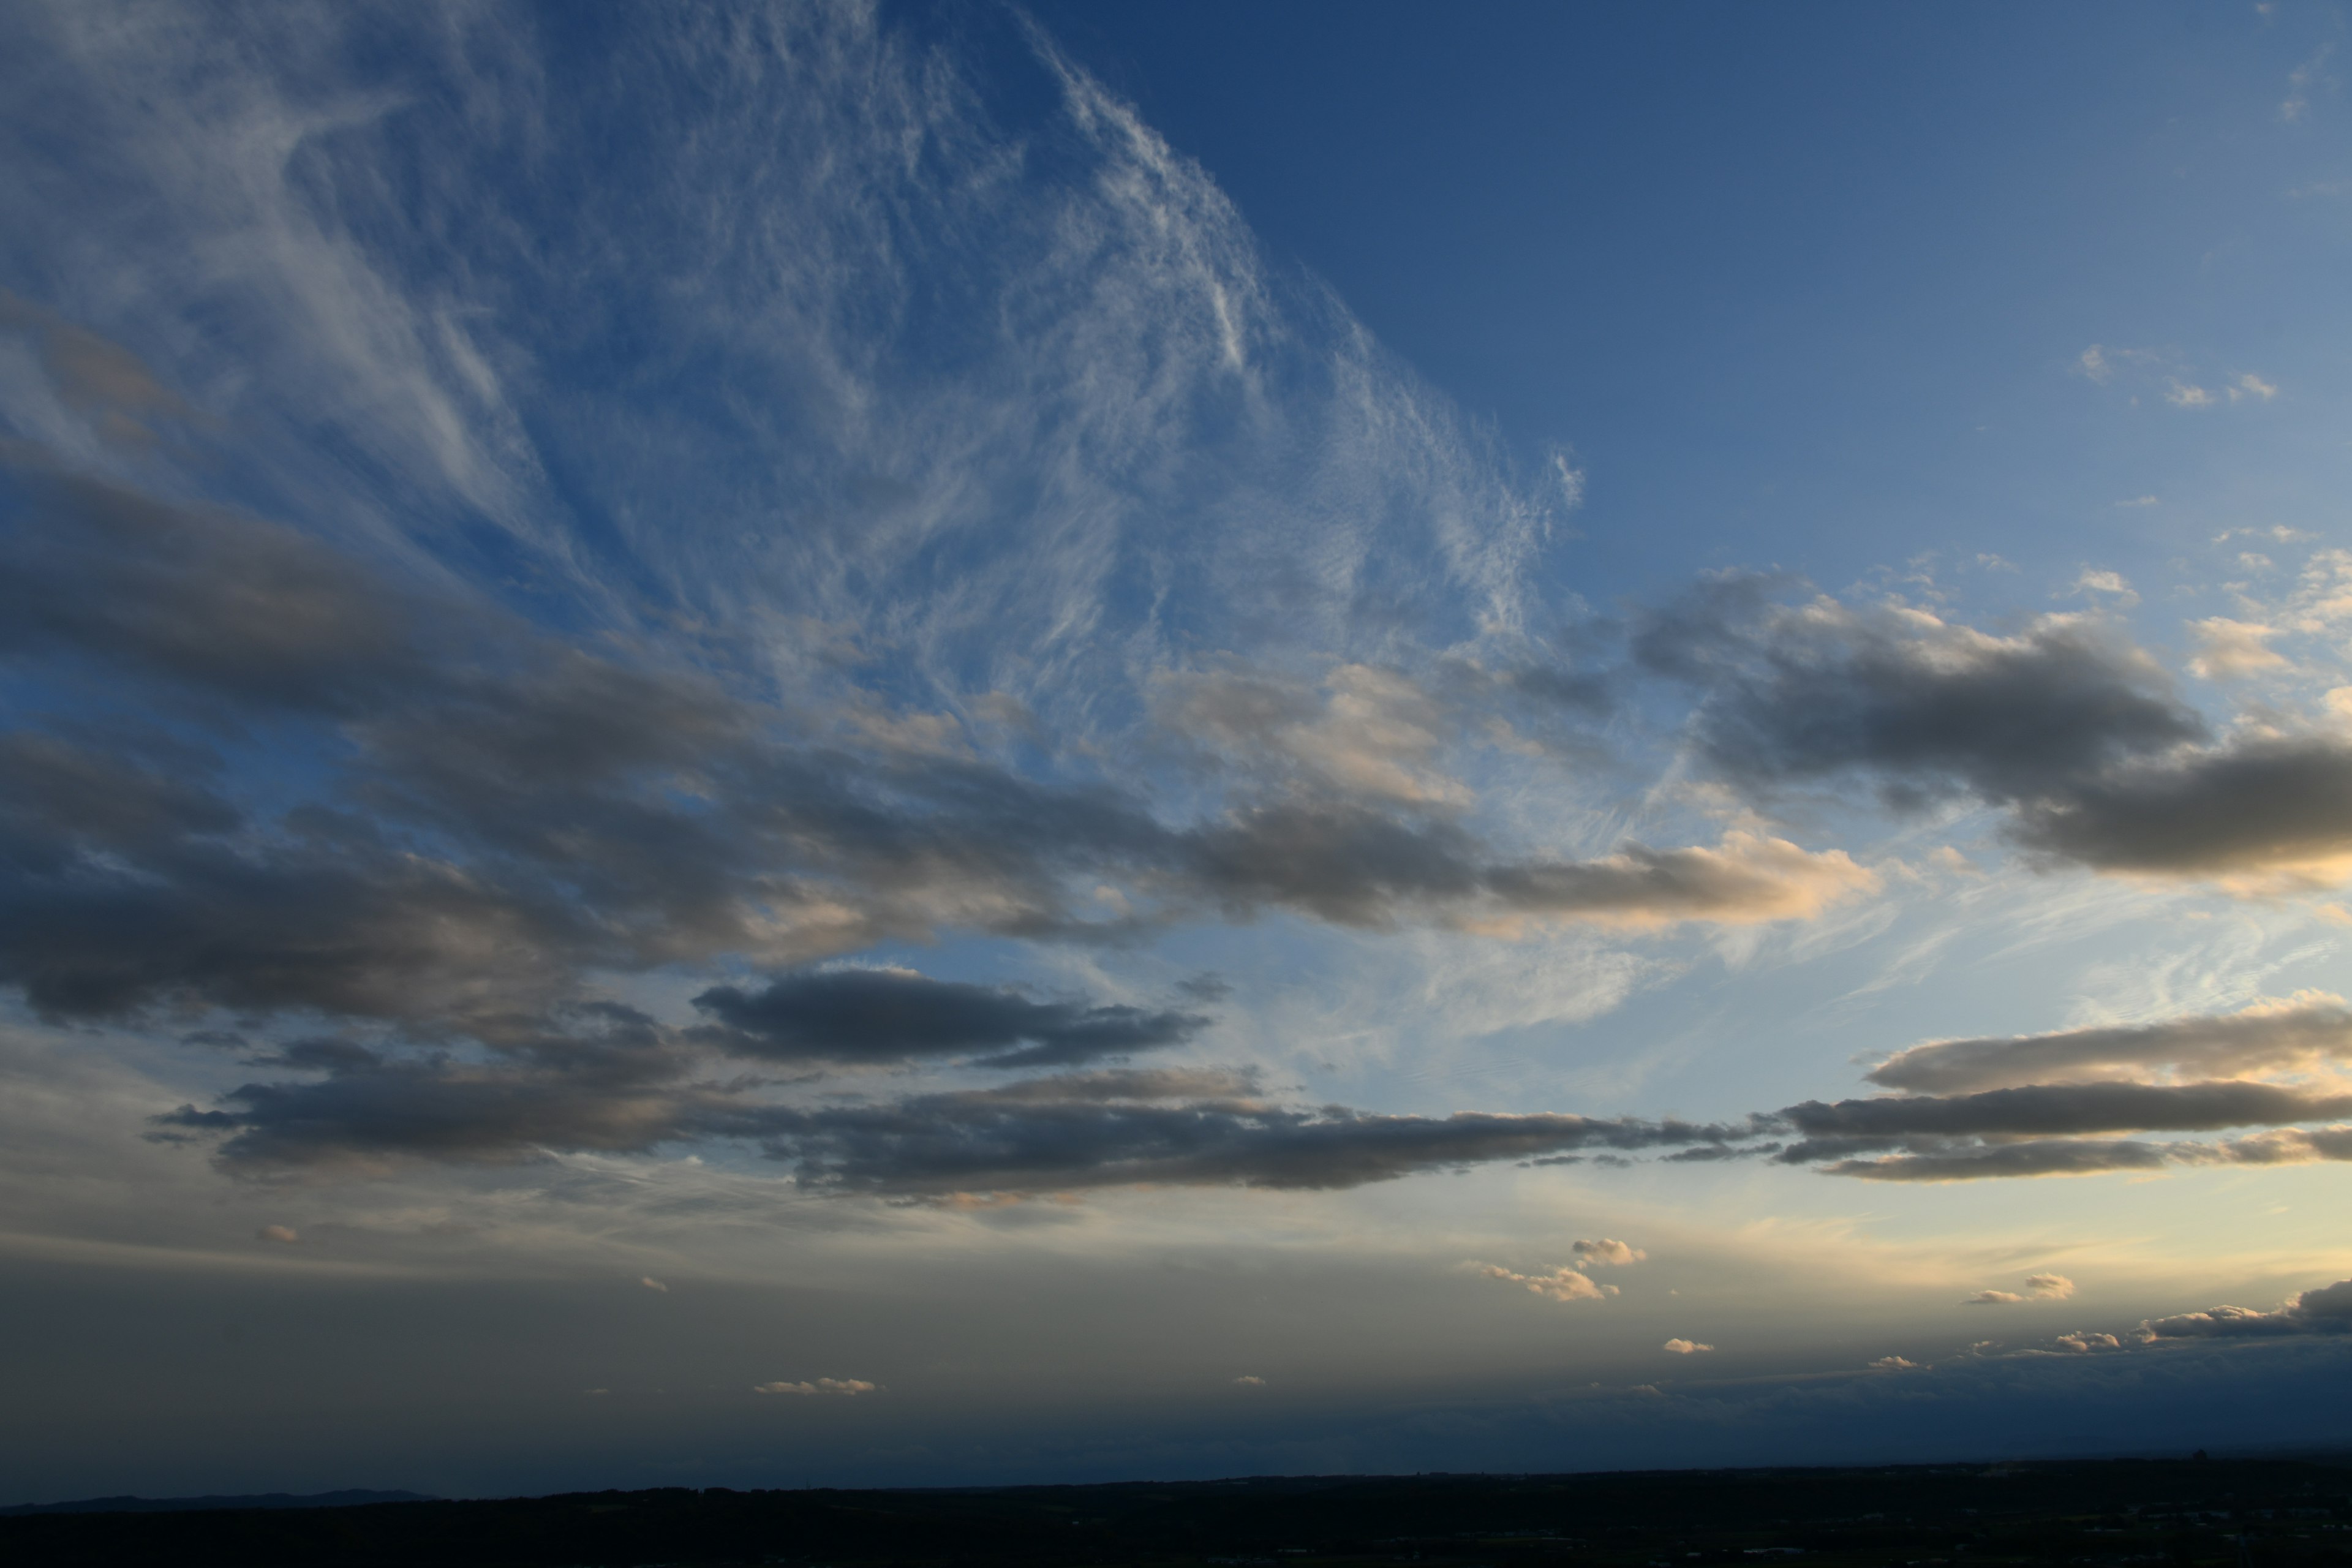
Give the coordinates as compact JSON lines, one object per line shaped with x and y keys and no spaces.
{"x":349,"y":1499}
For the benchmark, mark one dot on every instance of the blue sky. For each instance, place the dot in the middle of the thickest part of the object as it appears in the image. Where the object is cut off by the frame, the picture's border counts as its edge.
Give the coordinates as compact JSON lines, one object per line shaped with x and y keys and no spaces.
{"x":939,"y":743}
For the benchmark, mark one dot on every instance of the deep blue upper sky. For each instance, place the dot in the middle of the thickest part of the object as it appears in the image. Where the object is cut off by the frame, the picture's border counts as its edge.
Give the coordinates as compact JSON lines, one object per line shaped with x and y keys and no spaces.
{"x":1792,"y":281}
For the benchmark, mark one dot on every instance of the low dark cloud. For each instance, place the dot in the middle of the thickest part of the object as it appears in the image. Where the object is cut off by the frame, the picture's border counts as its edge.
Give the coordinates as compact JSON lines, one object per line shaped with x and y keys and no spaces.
{"x":2325,"y":1310}
{"x":865,"y":1015}
{"x":2261,"y":806}
{"x":602,"y":1079}
{"x":1793,"y":693}
{"x":1980,"y":1161}
{"x":1108,"y":1130}
{"x":2078,"y":732}
{"x":202,"y":600}
{"x":2047,"y":1105}
{"x":2060,"y":1109}
{"x":624,"y":1086}
{"x":2306,"y":1032}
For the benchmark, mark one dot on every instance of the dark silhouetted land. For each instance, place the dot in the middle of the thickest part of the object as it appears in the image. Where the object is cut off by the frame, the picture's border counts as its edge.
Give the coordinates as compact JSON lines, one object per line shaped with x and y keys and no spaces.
{"x":2225,"y":1513}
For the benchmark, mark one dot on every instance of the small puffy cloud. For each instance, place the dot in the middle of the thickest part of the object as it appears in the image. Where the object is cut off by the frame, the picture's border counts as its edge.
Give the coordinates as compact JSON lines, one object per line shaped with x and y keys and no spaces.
{"x":1992,"y":1299}
{"x":1247,"y":1381}
{"x":2227,"y":649}
{"x":1893,"y":1364}
{"x":2253,"y":387}
{"x":1685,"y":1347}
{"x":845,"y":1387}
{"x":1561,"y":1284}
{"x":2112,"y":584}
{"x":2083,"y":1343}
{"x":2093,"y":365}
{"x":1608,"y":1249}
{"x":284,"y":1235}
{"x":2186,"y":395}
{"x":2296,"y":105}
{"x":650,"y":1283}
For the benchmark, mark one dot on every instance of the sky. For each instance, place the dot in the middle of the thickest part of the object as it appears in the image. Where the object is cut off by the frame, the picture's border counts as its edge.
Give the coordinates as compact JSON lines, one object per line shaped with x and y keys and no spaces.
{"x":937,"y":743}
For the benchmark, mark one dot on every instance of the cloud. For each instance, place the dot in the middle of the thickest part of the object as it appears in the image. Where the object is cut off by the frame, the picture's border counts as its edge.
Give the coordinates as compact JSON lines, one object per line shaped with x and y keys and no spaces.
{"x":2326,"y":1309}
{"x":2111,"y":584}
{"x":1685,"y":1347}
{"x":650,"y":1283}
{"x":613,"y":1082}
{"x":2047,"y":1109}
{"x":2254,"y":387}
{"x":1249,"y":1382}
{"x":2039,"y":1157}
{"x":284,"y":1235}
{"x":1606,"y":1250}
{"x":2230,"y":650}
{"x":2077,"y":733}
{"x":843,"y":1387}
{"x":2276,"y":807}
{"x":2186,"y":395}
{"x":2038,"y":1287}
{"x":2310,"y":1031}
{"x":101,"y":380}
{"x":1795,"y":693}
{"x":1561,"y":1284}
{"x":870,"y":1016}
{"x":1124,"y":1127}
{"x":1893,"y":1364}
{"x":2296,"y":105}
{"x":2083,"y":1343}
{"x":1372,"y":732}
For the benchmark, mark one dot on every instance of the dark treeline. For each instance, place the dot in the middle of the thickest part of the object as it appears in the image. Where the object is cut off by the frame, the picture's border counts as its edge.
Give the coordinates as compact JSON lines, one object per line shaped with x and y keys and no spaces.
{"x":2269,"y":1513}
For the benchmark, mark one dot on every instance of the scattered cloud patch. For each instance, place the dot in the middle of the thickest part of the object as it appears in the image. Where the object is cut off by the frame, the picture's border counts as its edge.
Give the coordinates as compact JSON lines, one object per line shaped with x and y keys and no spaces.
{"x":2186,"y":395}
{"x":842,"y":1387}
{"x":283,"y":1235}
{"x":1606,"y":1250}
{"x":1685,"y":1347}
{"x":2110,"y":583}
{"x":650,"y":1283}
{"x":1564,"y":1283}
